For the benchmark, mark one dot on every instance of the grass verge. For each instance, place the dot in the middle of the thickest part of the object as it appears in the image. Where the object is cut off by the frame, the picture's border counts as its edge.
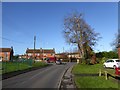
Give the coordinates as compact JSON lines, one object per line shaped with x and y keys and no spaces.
{"x":92,"y":81}
{"x":15,"y":66}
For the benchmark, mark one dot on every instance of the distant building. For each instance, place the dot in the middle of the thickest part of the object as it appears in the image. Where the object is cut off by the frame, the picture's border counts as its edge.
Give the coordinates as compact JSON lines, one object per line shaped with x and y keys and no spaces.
{"x":61,"y":55}
{"x":74,"y":55}
{"x":6,"y":54}
{"x":68,"y":57}
{"x":40,"y":53}
{"x":22,"y":56}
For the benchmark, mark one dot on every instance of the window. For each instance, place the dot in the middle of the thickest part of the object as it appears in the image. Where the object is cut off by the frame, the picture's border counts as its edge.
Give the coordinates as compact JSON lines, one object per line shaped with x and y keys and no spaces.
{"x":108,"y":61}
{"x":44,"y":55}
{"x":112,"y":61}
{"x":5,"y":53}
{"x":117,"y":60}
{"x":52,"y":54}
{"x":29,"y":54}
{"x":38,"y":54}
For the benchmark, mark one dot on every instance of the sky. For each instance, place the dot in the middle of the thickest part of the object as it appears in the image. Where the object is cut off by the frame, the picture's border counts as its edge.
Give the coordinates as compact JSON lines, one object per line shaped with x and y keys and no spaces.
{"x":21,"y":21}
{"x":60,"y":0}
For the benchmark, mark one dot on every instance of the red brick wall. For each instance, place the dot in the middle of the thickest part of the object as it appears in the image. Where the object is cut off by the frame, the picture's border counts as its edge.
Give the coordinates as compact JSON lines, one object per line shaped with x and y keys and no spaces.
{"x":3,"y":54}
{"x":40,"y":56}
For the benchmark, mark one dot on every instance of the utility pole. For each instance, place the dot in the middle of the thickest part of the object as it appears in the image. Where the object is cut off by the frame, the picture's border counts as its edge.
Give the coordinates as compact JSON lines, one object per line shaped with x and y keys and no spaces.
{"x":43,"y":54}
{"x":34,"y":45}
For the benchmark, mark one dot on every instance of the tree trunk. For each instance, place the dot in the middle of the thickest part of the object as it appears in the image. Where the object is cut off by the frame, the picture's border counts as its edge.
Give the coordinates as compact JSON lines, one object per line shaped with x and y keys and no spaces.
{"x":81,"y":53}
{"x":93,"y":61}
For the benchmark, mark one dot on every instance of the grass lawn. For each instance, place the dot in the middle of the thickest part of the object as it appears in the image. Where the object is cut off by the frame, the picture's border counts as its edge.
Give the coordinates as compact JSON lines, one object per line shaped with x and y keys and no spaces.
{"x":92,"y":81}
{"x":111,"y":71}
{"x":39,"y":64}
{"x":15,"y":66}
{"x":83,"y":68}
{"x":0,"y":68}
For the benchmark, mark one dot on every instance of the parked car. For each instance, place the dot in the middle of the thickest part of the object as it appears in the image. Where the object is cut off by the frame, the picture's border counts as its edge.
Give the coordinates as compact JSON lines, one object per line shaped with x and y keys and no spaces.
{"x":52,"y":59}
{"x":112,"y":63}
{"x":47,"y":60}
{"x":58,"y":61}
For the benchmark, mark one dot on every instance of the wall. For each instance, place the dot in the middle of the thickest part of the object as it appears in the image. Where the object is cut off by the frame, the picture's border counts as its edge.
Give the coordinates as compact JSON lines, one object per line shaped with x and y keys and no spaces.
{"x":5,"y":56}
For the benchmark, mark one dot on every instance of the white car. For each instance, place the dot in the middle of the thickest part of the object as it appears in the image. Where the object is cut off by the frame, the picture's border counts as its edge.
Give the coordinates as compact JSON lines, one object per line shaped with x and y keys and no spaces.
{"x":58,"y":61}
{"x":112,"y":63}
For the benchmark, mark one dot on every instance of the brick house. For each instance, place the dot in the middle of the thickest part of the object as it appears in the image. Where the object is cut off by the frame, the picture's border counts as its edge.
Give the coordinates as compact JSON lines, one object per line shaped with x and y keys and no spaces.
{"x":61,"y":55}
{"x":68,"y":57}
{"x":6,"y":54}
{"x":40,"y":53}
{"x":74,"y":55}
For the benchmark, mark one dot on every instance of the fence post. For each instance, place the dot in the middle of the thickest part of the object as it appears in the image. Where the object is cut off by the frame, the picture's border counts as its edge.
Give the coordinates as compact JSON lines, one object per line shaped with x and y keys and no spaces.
{"x":78,"y":61}
{"x":5,"y":67}
{"x":18,"y":65}
{"x":106,"y":75}
{"x":100,"y":72}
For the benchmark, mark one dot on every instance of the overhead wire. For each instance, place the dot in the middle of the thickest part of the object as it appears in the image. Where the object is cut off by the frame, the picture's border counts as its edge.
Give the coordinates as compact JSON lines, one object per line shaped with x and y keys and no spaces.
{"x":12,"y":40}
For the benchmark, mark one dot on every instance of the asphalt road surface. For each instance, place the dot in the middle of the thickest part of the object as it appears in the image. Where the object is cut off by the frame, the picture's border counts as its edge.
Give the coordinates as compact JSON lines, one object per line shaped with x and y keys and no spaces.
{"x":48,"y":77}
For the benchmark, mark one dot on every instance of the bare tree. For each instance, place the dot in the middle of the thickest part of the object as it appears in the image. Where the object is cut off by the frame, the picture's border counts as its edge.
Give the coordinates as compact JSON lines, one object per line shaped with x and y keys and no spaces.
{"x":116,"y":42}
{"x":77,"y":31}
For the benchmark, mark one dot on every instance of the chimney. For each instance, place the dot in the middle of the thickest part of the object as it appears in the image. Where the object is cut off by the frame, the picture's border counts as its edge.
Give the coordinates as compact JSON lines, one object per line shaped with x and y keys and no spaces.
{"x":54,"y":50}
{"x":11,"y":47}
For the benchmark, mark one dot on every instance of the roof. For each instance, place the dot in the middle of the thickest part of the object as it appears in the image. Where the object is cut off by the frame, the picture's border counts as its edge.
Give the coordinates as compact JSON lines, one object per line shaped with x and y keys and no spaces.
{"x":40,"y":51}
{"x":5,"y":49}
{"x":67,"y":53}
{"x":61,"y":54}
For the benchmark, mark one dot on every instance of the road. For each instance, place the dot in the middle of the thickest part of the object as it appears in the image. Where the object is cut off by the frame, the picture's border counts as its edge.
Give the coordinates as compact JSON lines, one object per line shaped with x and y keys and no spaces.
{"x":48,"y":77}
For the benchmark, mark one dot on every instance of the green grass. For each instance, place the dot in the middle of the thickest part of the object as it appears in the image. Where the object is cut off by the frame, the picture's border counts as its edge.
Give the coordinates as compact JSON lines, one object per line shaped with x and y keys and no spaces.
{"x":0,"y":68}
{"x":39,"y":64}
{"x":15,"y":66}
{"x":111,"y":71}
{"x":83,"y":68}
{"x":92,"y":81}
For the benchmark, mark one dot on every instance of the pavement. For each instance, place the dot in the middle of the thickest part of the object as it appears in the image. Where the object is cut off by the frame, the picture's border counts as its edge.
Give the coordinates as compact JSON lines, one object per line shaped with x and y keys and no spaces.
{"x":49,"y":77}
{"x":67,"y":80}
